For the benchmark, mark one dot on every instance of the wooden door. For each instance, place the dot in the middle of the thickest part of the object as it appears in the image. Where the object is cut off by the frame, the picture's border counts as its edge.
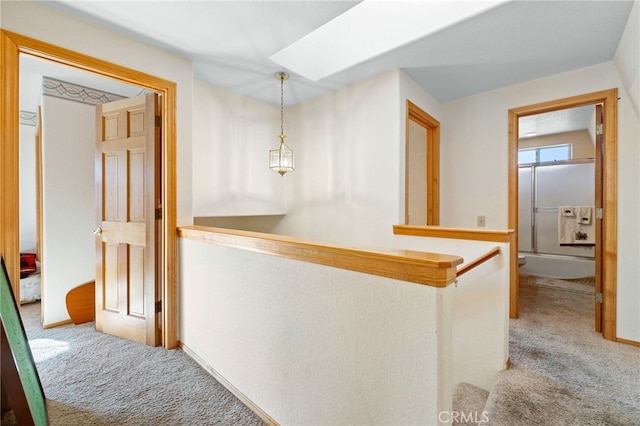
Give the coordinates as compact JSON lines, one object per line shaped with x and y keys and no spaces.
{"x":127,"y":195}
{"x":598,"y":222}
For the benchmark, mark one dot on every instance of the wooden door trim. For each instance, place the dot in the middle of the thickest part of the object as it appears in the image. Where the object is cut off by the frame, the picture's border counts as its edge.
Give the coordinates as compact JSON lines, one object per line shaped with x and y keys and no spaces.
{"x":609,"y":99}
{"x":432,"y":127}
{"x":12,"y":46}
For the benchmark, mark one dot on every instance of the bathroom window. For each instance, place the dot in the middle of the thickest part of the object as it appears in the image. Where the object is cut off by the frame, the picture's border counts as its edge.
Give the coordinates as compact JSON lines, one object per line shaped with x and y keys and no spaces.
{"x":544,"y":154}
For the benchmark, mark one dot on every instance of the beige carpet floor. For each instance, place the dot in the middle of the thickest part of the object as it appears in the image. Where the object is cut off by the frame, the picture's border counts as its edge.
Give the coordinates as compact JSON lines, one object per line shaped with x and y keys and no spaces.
{"x":94,"y":379}
{"x":563,"y":372}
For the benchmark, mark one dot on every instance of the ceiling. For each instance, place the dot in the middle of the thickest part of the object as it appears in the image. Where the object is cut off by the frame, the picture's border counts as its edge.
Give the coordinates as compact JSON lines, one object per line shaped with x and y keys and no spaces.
{"x":451,"y":48}
{"x":560,"y":121}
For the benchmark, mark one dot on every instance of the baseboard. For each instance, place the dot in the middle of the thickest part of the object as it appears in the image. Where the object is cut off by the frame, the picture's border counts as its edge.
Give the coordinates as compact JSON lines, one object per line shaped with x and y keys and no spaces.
{"x":57,"y":324}
{"x":224,"y":382}
{"x":627,"y":342}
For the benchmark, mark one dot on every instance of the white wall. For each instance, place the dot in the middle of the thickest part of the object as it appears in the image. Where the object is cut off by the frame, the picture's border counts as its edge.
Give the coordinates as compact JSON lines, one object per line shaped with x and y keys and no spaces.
{"x":68,"y":252}
{"x":341,"y":347}
{"x":232,"y":136}
{"x":627,"y":60}
{"x":345,"y":186}
{"x":27,"y":189}
{"x":480,"y":319}
{"x":337,"y":347}
{"x":350,"y":144}
{"x":480,"y":335}
{"x":627,"y":57}
{"x":475,"y":140}
{"x":36,"y":20}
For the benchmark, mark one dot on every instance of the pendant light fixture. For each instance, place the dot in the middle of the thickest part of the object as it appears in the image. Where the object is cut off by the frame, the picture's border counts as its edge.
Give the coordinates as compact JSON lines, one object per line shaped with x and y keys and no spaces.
{"x":281,"y":159}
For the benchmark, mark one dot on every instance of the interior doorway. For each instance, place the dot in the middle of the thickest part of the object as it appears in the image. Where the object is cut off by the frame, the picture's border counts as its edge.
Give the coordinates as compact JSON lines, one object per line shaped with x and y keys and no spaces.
{"x":422,"y":168}
{"x":558,"y":233}
{"x":63,"y":100}
{"x":15,"y":44}
{"x":606,"y":165}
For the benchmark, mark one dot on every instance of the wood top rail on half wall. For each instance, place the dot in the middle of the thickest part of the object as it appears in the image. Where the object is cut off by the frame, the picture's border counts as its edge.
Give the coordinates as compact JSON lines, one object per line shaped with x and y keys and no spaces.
{"x":496,"y":236}
{"x":432,"y":269}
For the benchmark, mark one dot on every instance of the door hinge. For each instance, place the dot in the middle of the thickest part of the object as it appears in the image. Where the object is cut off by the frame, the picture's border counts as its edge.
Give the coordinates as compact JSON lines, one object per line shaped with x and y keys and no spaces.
{"x":158,"y":214}
{"x":598,"y":297}
{"x":598,"y":212}
{"x":599,"y":130}
{"x":158,"y":306}
{"x":158,"y":121}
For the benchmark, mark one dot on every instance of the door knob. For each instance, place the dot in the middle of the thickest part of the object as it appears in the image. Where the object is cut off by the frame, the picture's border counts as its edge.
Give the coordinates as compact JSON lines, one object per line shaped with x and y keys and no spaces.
{"x":97,"y":231}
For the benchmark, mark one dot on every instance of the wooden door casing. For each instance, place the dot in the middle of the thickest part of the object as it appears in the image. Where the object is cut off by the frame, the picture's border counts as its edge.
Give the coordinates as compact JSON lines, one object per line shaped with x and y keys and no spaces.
{"x":609,"y":183}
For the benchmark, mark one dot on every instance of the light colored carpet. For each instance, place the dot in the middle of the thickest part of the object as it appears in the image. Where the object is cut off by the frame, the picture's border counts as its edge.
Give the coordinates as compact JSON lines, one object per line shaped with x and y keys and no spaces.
{"x":563,"y":372}
{"x":91,"y":378}
{"x":469,"y":404}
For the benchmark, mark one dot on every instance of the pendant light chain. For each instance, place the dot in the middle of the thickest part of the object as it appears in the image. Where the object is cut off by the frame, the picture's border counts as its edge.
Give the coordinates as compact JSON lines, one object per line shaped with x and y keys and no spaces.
{"x":282,"y":105}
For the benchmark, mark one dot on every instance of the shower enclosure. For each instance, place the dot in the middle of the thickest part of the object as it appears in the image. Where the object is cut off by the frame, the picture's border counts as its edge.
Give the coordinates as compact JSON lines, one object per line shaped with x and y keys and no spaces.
{"x":543,"y":188}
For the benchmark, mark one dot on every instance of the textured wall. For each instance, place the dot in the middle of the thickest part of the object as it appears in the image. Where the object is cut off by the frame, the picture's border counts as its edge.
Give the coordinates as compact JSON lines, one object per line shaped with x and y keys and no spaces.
{"x":69,"y":200}
{"x":310,"y":344}
{"x":315,"y":345}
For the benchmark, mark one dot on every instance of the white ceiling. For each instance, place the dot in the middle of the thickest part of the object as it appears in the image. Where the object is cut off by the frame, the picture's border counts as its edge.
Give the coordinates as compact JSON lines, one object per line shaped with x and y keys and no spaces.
{"x":469,"y":48}
{"x":561,"y":121}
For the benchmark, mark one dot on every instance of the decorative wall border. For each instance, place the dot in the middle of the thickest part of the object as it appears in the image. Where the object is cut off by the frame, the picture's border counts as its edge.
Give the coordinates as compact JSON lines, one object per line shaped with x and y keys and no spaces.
{"x":28,"y":118}
{"x":76,"y":92}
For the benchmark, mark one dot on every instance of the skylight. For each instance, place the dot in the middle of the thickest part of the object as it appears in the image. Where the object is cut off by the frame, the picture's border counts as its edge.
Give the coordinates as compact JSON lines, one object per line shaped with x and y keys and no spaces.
{"x":369,"y":29}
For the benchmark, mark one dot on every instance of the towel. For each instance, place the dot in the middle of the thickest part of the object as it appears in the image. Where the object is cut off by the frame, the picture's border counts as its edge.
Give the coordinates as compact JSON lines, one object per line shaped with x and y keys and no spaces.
{"x":575,"y":226}
{"x":584,"y":215}
{"x":566,"y":225}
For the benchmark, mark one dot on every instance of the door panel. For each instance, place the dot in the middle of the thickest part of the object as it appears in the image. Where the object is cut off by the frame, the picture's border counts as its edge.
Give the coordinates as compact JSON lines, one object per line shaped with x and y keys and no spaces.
{"x":127,"y":188}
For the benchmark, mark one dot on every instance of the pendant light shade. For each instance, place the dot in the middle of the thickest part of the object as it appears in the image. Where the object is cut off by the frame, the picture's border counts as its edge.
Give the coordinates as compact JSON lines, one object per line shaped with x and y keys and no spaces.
{"x":281,"y":158}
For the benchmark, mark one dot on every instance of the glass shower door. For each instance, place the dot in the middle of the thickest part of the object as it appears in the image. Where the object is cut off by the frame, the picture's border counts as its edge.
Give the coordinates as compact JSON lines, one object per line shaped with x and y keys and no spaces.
{"x":560,"y":185}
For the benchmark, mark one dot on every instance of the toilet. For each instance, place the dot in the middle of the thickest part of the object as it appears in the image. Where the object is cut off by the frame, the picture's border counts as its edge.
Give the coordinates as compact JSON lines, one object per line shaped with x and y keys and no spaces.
{"x":522,"y":260}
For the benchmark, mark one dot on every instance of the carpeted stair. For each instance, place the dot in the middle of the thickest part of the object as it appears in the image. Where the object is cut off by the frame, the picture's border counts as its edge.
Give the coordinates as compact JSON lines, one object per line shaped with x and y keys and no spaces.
{"x":469,"y":403}
{"x":562,"y":372}
{"x":523,"y":398}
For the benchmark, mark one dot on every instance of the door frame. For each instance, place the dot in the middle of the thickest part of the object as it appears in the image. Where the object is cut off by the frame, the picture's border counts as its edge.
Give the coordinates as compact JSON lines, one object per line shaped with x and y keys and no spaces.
{"x":12,"y":45}
{"x":609,"y":240}
{"x":432,"y":130}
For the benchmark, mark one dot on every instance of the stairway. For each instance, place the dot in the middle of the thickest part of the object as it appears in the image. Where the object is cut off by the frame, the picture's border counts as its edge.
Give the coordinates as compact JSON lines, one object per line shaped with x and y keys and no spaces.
{"x":523,"y":398}
{"x":468,"y":405}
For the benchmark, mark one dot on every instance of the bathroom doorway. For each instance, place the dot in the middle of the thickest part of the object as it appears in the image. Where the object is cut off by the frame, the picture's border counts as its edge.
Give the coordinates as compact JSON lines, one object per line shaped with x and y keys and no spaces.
{"x":605,"y":165}
{"x":557,"y":226}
